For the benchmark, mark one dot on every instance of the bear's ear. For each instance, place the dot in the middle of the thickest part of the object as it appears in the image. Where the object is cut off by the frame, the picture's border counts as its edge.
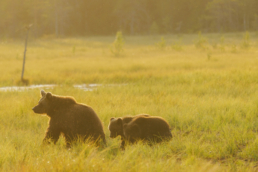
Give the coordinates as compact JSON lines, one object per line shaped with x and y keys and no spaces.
{"x":120,"y":121}
{"x":112,"y":118}
{"x":49,"y":96}
{"x":43,"y":93}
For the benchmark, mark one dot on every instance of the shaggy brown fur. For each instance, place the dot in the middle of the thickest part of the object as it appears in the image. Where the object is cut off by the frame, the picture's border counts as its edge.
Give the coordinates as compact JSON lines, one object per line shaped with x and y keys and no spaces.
{"x":73,"y":120}
{"x":116,"y":126}
{"x":150,"y":128}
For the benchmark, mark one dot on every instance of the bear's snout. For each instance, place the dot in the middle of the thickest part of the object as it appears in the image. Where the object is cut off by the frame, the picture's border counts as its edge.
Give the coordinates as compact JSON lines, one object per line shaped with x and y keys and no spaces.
{"x":38,"y":109}
{"x":34,"y":109}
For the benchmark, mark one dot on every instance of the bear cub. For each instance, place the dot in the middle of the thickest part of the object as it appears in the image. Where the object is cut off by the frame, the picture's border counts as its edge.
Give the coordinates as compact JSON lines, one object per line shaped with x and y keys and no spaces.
{"x":116,"y":127}
{"x":73,"y":120}
{"x":139,"y":127}
{"x":150,"y":128}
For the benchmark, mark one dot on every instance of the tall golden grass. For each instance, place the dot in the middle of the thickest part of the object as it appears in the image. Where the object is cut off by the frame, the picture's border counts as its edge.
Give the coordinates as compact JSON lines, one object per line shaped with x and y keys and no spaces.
{"x":209,"y":96}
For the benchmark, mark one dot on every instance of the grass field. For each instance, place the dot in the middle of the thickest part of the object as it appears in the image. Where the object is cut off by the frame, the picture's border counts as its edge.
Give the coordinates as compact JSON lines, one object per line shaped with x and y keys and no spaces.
{"x":206,"y":86}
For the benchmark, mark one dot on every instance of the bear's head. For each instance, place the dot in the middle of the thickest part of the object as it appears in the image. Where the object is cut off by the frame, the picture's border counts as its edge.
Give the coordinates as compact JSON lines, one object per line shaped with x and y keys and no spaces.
{"x":44,"y":103}
{"x":115,"y":127}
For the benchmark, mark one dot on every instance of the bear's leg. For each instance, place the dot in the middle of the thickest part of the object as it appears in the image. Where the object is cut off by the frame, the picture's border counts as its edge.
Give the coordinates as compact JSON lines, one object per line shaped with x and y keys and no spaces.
{"x":122,"y":143}
{"x":51,"y":135}
{"x":104,"y":140}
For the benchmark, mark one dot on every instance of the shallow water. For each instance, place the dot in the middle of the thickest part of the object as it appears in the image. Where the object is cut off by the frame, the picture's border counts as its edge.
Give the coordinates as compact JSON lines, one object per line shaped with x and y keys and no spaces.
{"x":23,"y":88}
{"x":85,"y":87}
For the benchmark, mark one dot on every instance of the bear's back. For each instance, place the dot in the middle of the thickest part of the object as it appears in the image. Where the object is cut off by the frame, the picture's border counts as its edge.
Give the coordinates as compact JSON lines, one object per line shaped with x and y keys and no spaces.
{"x":151,"y":125}
{"x":87,"y":115}
{"x":80,"y":119}
{"x":127,"y":119}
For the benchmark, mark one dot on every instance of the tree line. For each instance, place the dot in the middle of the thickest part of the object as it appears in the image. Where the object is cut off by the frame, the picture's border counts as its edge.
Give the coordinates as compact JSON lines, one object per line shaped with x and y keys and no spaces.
{"x":104,"y":17}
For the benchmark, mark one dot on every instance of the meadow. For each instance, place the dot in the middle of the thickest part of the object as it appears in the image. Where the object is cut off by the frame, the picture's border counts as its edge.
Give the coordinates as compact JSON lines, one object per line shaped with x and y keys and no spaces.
{"x":205,"y":86}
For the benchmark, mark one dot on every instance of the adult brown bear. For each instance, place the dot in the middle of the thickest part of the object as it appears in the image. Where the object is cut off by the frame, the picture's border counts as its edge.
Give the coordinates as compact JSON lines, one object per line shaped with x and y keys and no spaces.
{"x":73,"y":120}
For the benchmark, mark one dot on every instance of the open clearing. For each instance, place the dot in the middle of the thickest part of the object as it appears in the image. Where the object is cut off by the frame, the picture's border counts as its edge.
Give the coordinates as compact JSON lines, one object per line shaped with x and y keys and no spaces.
{"x":205,"y":86}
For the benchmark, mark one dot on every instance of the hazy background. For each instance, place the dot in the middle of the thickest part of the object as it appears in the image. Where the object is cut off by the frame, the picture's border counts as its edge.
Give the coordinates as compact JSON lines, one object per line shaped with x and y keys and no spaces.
{"x":106,"y":17}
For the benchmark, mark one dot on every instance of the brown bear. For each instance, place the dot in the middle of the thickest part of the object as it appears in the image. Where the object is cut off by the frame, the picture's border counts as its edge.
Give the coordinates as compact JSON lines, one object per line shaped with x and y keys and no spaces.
{"x":116,"y":126}
{"x":73,"y":120}
{"x":147,"y":128}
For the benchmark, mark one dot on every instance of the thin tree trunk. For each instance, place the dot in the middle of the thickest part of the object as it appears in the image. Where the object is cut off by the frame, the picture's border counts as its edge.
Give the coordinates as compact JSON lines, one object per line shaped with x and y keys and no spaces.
{"x":24,"y":57}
